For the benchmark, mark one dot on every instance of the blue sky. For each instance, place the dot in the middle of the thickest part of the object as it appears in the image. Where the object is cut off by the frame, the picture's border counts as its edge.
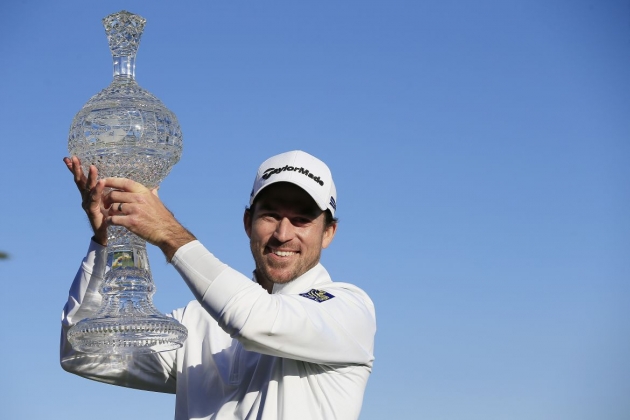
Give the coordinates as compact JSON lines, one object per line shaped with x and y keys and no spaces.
{"x":480,"y":151}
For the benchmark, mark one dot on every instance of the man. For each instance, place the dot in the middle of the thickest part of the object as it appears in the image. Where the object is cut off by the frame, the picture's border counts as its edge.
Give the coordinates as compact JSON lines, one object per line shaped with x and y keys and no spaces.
{"x":289,"y":345}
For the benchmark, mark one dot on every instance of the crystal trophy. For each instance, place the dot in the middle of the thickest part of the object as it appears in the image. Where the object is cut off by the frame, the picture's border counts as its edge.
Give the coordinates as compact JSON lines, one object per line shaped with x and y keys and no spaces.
{"x":126,"y":132}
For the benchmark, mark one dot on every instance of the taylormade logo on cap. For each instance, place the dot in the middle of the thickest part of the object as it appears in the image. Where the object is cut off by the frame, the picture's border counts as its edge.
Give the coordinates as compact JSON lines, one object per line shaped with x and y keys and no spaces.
{"x":272,"y":171}
{"x":303,"y":170}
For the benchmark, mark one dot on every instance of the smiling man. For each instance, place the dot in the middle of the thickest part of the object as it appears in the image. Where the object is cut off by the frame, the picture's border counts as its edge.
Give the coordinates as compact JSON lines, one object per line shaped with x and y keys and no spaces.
{"x":291,"y":344}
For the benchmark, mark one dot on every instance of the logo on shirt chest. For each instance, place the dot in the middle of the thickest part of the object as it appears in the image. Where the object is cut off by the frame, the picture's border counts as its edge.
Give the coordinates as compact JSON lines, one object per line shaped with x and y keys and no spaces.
{"x":317,"y":295}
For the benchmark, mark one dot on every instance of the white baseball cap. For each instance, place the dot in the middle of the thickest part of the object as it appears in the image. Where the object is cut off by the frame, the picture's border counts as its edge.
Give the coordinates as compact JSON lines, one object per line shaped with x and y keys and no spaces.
{"x":303,"y":170}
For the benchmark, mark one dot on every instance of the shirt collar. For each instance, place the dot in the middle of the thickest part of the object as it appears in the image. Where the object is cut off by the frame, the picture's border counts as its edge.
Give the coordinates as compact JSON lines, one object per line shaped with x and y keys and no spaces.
{"x":307,"y":281}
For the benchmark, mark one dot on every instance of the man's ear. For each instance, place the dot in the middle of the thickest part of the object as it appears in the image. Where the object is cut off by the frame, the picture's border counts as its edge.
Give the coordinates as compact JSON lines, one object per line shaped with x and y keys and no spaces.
{"x":329,"y":234}
{"x":247,"y":222}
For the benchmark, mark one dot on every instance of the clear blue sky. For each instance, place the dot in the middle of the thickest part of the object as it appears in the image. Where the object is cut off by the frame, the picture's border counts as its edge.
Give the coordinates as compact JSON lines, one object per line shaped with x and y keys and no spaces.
{"x":480,"y":151}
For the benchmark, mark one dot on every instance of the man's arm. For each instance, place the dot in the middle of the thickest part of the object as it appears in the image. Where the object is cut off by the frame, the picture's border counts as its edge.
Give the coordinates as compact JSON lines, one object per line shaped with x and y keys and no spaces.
{"x":338,"y":331}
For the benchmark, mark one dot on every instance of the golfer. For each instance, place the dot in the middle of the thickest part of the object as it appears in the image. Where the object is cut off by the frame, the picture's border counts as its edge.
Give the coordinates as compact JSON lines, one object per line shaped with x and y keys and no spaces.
{"x":288,"y":344}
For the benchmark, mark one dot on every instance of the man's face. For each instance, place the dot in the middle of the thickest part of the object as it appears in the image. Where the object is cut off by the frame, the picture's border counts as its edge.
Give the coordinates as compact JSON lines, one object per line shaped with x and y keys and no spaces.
{"x":286,"y":232}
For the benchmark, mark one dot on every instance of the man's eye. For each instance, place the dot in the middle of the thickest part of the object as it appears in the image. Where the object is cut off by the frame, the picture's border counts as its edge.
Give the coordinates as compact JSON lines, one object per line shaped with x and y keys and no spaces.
{"x":300,"y":221}
{"x":271,"y":216}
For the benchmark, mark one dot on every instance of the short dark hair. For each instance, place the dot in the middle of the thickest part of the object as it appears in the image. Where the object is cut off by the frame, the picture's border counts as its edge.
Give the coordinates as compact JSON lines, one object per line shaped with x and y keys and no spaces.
{"x":330,"y":219}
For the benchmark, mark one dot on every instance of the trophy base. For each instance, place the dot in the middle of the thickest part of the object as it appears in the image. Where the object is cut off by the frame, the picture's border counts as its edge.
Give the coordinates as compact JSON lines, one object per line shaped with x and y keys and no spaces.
{"x":127,"y":335}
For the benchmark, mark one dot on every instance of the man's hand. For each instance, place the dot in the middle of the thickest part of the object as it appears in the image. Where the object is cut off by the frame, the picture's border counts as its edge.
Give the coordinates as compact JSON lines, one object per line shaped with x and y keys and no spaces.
{"x":91,"y":192}
{"x":140,"y":210}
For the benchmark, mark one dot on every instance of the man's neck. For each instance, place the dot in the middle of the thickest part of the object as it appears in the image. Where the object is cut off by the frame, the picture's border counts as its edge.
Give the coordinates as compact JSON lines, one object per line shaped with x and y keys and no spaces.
{"x":264,"y":282}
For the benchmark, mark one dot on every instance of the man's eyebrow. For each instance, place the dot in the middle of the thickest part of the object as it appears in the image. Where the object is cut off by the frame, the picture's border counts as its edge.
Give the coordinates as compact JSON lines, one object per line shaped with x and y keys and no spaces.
{"x":310,"y":212}
{"x":266,"y":206}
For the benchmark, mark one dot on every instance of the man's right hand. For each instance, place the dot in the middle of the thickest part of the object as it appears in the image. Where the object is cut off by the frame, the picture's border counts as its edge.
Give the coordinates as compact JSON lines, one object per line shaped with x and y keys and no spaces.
{"x":91,"y":195}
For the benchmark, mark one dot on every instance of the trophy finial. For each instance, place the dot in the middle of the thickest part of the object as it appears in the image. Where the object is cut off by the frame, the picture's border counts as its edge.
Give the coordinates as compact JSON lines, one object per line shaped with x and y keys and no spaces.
{"x":123,"y":31}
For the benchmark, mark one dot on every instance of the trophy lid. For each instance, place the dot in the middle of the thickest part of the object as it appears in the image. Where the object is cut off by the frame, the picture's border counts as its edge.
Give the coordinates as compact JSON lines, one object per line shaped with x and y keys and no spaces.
{"x":124,"y":30}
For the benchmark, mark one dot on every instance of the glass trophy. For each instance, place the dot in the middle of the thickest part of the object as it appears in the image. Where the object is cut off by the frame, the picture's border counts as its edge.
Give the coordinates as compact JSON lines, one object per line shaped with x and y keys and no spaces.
{"x":126,"y":132}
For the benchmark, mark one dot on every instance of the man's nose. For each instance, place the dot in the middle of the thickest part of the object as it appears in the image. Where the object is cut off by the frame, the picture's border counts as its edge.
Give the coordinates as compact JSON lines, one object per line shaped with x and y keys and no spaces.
{"x":284,"y":230}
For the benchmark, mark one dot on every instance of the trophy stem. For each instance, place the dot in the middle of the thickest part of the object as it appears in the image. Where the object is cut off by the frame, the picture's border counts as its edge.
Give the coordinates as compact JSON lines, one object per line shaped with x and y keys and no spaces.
{"x":127,"y":321}
{"x":125,"y":67}
{"x":128,"y":287}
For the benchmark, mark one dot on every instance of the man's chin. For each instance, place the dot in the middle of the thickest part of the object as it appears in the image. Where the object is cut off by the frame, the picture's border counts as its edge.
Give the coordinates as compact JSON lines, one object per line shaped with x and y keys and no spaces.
{"x":279,"y":276}
{"x":282,"y":279}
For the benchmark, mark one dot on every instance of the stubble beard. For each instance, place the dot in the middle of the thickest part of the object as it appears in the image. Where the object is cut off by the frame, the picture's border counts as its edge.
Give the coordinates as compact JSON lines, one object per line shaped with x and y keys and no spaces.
{"x":290,"y":273}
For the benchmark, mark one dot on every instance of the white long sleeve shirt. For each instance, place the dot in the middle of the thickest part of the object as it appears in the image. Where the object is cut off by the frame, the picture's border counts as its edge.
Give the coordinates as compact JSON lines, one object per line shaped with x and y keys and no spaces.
{"x":303,"y":352}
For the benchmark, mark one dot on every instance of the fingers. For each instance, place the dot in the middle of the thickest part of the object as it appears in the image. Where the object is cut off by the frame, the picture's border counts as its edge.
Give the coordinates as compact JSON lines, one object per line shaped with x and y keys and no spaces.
{"x":115,"y":197}
{"x":79,"y":176}
{"x":71,"y":164}
{"x":92,"y":177}
{"x":92,"y":198}
{"x":68,"y":163}
{"x":91,"y":190}
{"x":123,"y":191}
{"x":121,"y":214}
{"x":83,"y":183}
{"x":97,"y":191}
{"x":115,"y":221}
{"x":121,"y":209}
{"x":125,"y":184}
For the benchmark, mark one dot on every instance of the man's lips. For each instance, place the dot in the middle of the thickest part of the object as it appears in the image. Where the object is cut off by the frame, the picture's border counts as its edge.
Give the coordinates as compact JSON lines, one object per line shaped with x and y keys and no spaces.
{"x":282,"y":252}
